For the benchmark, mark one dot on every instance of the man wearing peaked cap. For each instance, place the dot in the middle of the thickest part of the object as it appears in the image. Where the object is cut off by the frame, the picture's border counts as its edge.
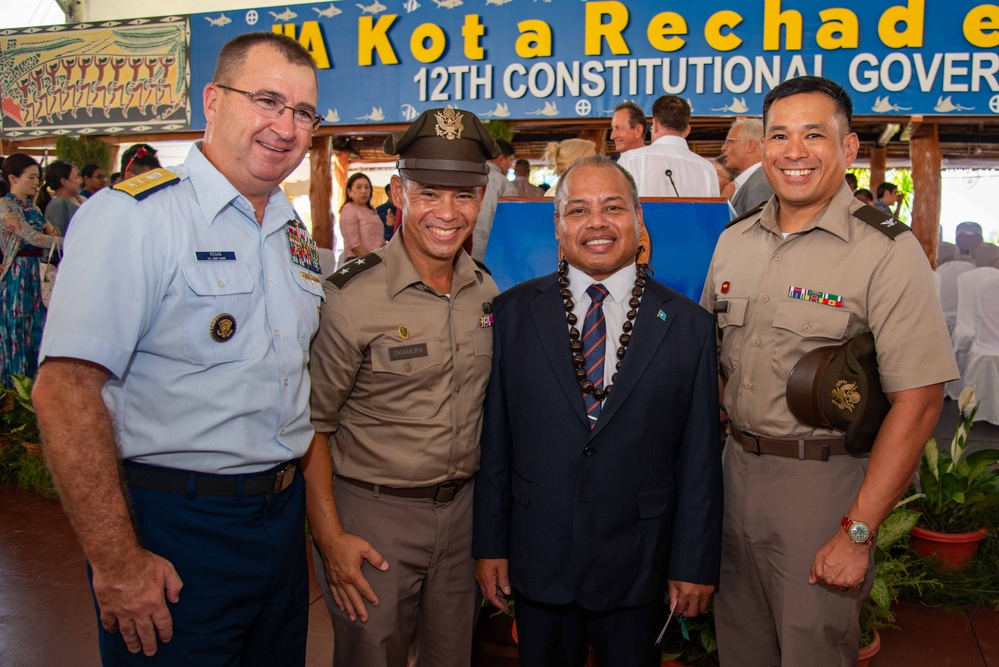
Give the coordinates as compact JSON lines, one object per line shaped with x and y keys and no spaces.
{"x":400,"y":366}
{"x":814,"y":268}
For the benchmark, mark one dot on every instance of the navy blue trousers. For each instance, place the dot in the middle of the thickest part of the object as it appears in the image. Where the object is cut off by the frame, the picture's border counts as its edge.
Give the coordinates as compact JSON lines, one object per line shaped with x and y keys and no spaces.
{"x":245,"y":600}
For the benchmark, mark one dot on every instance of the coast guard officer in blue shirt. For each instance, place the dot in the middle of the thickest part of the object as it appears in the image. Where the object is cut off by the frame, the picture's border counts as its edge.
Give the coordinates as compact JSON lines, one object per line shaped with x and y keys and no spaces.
{"x":173,"y":395}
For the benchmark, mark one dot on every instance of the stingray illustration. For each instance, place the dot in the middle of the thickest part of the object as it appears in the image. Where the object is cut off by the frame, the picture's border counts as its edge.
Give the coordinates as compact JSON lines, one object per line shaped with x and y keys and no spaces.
{"x":501,"y":111}
{"x":329,"y":12}
{"x":882,"y":105}
{"x":408,"y":112}
{"x":332,"y":115}
{"x":448,"y":4}
{"x":374,"y":8}
{"x":945,"y":105}
{"x":738,"y":105}
{"x":286,"y":15}
{"x":375,"y":115}
{"x":220,"y":21}
{"x":689,"y":103}
{"x":411,"y":6}
{"x":549,"y":110}
{"x":498,"y":3}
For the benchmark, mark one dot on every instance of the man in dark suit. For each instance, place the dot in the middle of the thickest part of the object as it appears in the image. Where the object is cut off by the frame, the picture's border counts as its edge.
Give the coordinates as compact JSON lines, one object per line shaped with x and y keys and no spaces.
{"x":599,"y":487}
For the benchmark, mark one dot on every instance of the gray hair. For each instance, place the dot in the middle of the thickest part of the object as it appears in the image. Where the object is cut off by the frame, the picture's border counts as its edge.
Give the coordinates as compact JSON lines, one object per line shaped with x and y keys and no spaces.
{"x":594,"y":161}
{"x":752,"y":128}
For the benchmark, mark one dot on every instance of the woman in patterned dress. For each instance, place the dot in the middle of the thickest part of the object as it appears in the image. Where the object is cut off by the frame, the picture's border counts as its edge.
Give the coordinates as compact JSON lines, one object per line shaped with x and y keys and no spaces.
{"x":23,"y":242}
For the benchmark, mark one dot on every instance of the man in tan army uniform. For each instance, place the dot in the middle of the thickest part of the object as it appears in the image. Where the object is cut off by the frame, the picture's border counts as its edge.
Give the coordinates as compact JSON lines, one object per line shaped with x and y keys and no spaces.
{"x":811,"y":268}
{"x":400,"y":367}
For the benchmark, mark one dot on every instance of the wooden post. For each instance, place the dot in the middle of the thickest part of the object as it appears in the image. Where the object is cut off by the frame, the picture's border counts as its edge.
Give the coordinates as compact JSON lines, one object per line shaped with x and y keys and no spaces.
{"x":879,"y":158}
{"x":319,"y":192}
{"x":924,"y":151}
{"x":599,"y":137}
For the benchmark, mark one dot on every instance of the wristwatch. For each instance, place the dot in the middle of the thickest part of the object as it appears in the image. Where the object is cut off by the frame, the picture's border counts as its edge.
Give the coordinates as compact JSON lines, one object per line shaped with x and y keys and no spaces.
{"x":858,"y":531}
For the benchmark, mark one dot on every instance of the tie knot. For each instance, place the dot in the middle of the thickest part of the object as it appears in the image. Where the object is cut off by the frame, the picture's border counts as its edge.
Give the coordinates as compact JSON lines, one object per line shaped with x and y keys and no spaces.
{"x":596,"y":292}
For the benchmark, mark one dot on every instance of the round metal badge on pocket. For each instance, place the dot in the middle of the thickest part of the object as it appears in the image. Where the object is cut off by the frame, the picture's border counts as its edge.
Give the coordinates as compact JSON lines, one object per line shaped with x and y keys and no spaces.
{"x":223,"y":327}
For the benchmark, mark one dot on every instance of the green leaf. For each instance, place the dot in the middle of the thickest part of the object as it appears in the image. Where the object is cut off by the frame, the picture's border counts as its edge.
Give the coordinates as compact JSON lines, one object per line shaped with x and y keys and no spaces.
{"x":880,"y":594}
{"x":930,"y":455}
{"x":896,"y":526}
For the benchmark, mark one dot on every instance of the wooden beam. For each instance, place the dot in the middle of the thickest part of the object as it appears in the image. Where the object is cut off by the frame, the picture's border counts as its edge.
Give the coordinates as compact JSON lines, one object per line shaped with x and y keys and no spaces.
{"x":879,"y":158}
{"x":319,"y":192}
{"x":910,"y":128}
{"x":924,"y":151}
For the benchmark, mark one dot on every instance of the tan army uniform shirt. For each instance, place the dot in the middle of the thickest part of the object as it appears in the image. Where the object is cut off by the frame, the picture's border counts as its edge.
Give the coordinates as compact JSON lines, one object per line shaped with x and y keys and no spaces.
{"x":399,"y":372}
{"x":835,"y":279}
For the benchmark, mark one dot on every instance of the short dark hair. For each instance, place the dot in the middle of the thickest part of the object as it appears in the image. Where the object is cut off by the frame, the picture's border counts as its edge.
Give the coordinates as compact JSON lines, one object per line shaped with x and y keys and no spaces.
{"x":149,"y":161}
{"x":233,"y":53}
{"x":595,"y":161}
{"x":812,"y":84}
{"x":506,"y":148}
{"x":851,"y":180}
{"x":56,"y":171}
{"x":88,"y":169}
{"x":886,"y":187}
{"x":636,"y":116}
{"x":14,"y":165}
{"x":672,"y":112}
{"x":864,"y":195}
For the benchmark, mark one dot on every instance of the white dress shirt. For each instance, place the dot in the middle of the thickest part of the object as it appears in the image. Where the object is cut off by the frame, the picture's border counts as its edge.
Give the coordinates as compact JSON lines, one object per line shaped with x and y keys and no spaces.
{"x":694,"y":176}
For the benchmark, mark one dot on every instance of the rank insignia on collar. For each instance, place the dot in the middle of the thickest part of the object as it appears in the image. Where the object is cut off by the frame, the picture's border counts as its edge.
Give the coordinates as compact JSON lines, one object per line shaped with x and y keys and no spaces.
{"x":223,"y":327}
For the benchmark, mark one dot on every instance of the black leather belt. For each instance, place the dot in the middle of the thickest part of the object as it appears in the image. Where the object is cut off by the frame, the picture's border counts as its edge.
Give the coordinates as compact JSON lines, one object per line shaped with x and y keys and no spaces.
{"x":199,"y":484}
{"x":444,"y":492}
{"x":804,"y":449}
{"x":30,"y":252}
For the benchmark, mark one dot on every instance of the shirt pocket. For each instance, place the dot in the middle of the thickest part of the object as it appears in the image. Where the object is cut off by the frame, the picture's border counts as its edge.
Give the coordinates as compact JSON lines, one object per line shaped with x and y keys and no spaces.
{"x":732,"y":325}
{"x":218,"y":309}
{"x":310,"y":295}
{"x":800,"y":327}
{"x":406,"y":377}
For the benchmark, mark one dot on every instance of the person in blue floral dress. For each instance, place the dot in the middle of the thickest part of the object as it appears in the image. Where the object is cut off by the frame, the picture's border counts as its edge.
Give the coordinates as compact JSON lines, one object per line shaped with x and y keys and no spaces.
{"x":23,"y":242}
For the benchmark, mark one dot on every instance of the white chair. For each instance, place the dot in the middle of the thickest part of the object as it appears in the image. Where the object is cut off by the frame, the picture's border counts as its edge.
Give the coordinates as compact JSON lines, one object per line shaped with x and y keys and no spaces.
{"x":964,"y":330}
{"x":936,"y":283}
{"x":983,"y":359}
{"x":948,"y":289}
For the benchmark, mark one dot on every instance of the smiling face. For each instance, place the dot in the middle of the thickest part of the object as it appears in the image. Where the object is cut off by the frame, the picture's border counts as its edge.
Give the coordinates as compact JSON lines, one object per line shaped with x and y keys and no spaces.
{"x":437,"y":219}
{"x":597,"y":224}
{"x":253,"y":152}
{"x":806,"y":149}
{"x":624,"y":136}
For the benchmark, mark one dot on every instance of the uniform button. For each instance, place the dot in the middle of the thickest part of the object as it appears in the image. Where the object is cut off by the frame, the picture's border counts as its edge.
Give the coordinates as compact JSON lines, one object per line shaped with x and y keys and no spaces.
{"x":807,"y":327}
{"x":748,"y":385}
{"x":756,"y":342}
{"x":281,"y":432}
{"x":277,"y":333}
{"x":765,"y":299}
{"x":270,"y":283}
{"x":588,"y":450}
{"x":457,"y":431}
{"x":457,"y":389}
{"x":777,"y":258}
{"x":221,"y":283}
{"x":457,"y":346}
{"x":286,"y":382}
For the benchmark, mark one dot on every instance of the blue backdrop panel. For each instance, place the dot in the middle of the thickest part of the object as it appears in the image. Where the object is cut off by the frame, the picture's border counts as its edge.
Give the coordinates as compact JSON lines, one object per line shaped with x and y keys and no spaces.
{"x":522,"y":242}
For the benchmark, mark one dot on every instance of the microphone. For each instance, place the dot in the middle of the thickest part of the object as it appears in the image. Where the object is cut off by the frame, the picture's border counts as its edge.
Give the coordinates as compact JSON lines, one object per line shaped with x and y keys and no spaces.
{"x":669,"y":175}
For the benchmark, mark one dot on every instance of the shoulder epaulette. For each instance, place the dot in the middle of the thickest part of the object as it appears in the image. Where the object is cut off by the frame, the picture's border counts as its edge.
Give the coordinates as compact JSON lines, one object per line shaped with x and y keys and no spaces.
{"x":353,"y":268}
{"x":880,"y":221}
{"x":482,"y":266}
{"x":748,"y":214}
{"x":143,"y":185}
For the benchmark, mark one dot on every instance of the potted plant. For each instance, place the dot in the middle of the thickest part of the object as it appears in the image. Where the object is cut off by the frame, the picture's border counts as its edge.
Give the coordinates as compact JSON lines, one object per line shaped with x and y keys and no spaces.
{"x":18,"y":422}
{"x":691,"y":641}
{"x":957,"y":488}
{"x":894,"y":574}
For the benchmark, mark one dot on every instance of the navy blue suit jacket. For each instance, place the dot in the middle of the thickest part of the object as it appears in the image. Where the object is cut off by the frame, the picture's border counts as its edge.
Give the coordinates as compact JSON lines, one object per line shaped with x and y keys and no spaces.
{"x":600,"y":517}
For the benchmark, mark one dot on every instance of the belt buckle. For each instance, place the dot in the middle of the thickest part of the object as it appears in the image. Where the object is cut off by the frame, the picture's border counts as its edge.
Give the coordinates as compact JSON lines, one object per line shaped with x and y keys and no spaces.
{"x":824,"y":449}
{"x":284,"y":478}
{"x":446,"y":491}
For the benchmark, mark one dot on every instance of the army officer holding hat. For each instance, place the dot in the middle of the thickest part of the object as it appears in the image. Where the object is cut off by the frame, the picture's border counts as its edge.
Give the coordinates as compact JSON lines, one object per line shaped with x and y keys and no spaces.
{"x":812,"y":268}
{"x":400,"y":366}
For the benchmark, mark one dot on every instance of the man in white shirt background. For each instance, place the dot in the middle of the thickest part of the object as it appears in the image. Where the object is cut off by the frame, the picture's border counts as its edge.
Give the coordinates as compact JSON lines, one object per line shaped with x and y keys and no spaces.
{"x":628,"y":127}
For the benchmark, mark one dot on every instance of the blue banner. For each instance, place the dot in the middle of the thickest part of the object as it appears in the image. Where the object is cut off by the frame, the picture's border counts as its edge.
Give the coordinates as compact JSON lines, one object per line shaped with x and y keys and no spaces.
{"x":683,"y":233}
{"x":387,"y":62}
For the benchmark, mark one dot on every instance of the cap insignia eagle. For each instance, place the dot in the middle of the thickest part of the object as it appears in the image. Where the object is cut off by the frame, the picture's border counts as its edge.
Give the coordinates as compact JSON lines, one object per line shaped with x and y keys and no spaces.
{"x":845,"y":395}
{"x":449,"y":124}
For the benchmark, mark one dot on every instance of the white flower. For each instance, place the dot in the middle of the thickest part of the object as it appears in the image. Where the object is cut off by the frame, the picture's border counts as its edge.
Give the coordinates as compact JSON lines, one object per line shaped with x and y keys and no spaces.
{"x":966,"y":400}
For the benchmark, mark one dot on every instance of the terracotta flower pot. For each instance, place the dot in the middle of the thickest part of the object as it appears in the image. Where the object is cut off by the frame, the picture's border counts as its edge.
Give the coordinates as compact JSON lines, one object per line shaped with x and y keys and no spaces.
{"x":32,"y":448}
{"x":953,"y":550}
{"x":869,"y":651}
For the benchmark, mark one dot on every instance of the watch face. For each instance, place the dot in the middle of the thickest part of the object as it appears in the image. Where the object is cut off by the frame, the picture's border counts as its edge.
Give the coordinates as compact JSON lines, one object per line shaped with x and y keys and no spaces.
{"x":859,"y":533}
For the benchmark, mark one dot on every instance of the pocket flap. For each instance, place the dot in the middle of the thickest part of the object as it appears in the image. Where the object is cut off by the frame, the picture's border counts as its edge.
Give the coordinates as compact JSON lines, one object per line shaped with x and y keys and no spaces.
{"x":405,"y":358}
{"x":653,"y":503}
{"x":309,"y":282}
{"x":218,"y":278}
{"x":811,"y":320}
{"x":736,"y":314}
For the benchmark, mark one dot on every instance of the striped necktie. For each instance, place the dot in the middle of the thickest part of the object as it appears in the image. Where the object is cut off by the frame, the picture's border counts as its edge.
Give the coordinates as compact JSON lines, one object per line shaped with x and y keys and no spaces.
{"x":594,"y":344}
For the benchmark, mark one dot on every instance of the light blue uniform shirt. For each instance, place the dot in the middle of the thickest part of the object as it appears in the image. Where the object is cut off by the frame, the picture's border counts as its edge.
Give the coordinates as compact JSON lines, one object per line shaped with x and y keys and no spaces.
{"x":137,"y":295}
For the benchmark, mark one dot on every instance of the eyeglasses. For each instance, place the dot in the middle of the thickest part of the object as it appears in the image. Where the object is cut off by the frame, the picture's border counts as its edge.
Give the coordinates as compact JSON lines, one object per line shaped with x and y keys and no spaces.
{"x":268,"y":107}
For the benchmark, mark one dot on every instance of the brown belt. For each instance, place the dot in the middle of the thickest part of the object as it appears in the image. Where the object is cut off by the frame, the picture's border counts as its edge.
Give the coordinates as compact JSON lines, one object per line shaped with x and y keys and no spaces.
{"x":30,"y":252}
{"x":444,"y":492}
{"x":804,"y":449}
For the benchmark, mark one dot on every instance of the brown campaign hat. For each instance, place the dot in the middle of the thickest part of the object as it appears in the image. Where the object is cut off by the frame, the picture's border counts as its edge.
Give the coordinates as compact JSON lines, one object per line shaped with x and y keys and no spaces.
{"x":838,"y":387}
{"x":444,"y":147}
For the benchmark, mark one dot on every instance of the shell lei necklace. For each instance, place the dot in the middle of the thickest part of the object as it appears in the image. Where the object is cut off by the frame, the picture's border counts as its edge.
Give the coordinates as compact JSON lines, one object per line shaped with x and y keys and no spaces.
{"x":576,"y":345}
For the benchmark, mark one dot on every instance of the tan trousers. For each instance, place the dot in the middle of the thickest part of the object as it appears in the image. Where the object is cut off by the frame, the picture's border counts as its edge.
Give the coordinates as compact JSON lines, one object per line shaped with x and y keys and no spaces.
{"x":778,"y":513}
{"x":428,"y":598}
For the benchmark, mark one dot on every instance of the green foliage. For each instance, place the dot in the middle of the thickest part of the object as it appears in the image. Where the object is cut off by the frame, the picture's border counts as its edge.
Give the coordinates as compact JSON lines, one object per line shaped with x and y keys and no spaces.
{"x":19,"y":425}
{"x":84,"y":151}
{"x":699,"y":647}
{"x":17,"y":414}
{"x":500,"y":129}
{"x":958,"y":488}
{"x":895,"y":573}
